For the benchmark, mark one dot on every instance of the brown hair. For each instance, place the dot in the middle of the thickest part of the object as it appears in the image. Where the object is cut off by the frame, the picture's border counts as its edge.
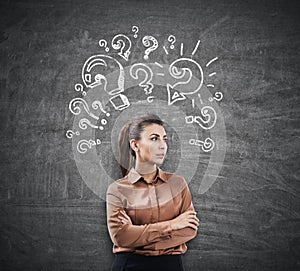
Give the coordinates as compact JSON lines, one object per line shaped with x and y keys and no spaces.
{"x":132,"y":130}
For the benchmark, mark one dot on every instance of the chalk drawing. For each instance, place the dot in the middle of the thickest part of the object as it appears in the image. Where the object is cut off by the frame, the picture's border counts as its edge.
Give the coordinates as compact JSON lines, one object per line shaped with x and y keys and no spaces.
{"x":104,"y":76}
{"x":141,"y":68}
{"x":211,"y":61}
{"x":196,"y":47}
{"x":75,"y":109}
{"x":182,"y":87}
{"x":151,"y":43}
{"x":98,"y":105}
{"x":165,"y":49}
{"x":84,"y":123}
{"x":119,"y":102}
{"x":218,"y":96}
{"x":158,"y":64}
{"x":83,"y":145}
{"x":207,"y":145}
{"x":206,"y":120}
{"x":150,"y":99}
{"x":103,"y":43}
{"x":79,"y":88}
{"x":181,"y":49}
{"x":123,"y":44}
{"x":199,"y":95}
{"x":172,"y":40}
{"x":70,"y":133}
{"x":96,"y":68}
{"x":135,"y":30}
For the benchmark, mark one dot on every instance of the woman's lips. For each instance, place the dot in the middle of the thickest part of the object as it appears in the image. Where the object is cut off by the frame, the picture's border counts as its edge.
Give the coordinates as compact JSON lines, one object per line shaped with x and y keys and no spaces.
{"x":160,"y":155}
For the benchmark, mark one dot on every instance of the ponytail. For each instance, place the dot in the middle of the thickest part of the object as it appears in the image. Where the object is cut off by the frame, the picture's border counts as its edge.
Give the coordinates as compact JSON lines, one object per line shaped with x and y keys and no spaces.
{"x":125,"y":157}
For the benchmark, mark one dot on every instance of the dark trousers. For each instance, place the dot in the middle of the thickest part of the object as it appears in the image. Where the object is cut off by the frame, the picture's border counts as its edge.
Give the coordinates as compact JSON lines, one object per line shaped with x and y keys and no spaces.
{"x":128,"y":261}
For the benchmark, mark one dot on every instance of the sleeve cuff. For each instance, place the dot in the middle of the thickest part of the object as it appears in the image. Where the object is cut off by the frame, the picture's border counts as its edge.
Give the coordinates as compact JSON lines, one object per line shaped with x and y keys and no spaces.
{"x":165,"y":229}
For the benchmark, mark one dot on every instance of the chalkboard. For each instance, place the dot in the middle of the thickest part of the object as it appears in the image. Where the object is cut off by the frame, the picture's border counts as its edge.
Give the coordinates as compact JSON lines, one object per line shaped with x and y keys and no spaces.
{"x":225,"y":79}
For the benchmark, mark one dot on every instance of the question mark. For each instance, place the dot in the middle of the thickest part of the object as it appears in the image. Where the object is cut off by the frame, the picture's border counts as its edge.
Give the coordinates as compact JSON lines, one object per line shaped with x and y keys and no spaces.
{"x":218,"y":96}
{"x":135,"y":30}
{"x":146,"y":83}
{"x":172,"y":40}
{"x":103,"y":43}
{"x":147,"y":43}
{"x":70,"y":133}
{"x":79,"y":88}
{"x":88,"y":143}
{"x":97,"y":104}
{"x":122,"y":43}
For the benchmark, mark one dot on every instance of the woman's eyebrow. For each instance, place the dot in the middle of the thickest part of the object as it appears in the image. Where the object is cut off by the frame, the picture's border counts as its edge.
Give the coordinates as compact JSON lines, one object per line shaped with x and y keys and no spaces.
{"x":157,"y":135}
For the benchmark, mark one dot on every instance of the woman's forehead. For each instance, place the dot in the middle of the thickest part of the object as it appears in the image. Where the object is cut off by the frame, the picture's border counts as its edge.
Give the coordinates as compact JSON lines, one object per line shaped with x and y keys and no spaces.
{"x":154,"y":129}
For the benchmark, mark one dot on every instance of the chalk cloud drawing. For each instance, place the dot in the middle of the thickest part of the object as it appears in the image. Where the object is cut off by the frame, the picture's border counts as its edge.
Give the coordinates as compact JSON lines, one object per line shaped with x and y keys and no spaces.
{"x":103,"y":84}
{"x":122,"y":43}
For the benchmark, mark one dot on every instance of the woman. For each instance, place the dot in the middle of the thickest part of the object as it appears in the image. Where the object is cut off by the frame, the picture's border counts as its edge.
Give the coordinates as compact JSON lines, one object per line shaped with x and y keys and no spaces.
{"x":150,"y":214}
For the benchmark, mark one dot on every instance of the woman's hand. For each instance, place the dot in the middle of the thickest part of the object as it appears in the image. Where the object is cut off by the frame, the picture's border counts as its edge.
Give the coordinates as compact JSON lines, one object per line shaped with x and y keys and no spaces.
{"x":124,"y":217}
{"x":186,"y":219}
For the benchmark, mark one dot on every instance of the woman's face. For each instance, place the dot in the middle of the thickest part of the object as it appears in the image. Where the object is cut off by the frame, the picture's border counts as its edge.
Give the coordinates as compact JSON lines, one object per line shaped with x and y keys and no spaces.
{"x":152,"y":147}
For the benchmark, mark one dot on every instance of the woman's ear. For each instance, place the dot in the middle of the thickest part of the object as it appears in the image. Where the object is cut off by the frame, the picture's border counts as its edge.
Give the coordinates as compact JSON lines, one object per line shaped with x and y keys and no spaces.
{"x":133,"y":145}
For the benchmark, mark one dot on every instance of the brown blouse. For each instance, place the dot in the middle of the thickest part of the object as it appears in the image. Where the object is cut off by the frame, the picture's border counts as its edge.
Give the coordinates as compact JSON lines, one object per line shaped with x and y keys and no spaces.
{"x":150,"y":207}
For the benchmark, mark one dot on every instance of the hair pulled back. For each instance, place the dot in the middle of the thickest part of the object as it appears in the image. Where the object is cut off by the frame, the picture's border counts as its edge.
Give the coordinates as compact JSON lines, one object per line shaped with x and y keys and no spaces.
{"x":132,"y":130}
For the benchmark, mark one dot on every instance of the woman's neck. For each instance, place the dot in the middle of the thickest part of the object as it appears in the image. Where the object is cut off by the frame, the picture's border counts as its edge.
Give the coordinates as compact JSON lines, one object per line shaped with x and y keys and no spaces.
{"x":147,"y":171}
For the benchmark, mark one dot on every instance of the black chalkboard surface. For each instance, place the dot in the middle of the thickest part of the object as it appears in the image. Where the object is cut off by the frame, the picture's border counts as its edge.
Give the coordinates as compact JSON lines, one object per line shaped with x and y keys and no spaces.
{"x":241,"y":159}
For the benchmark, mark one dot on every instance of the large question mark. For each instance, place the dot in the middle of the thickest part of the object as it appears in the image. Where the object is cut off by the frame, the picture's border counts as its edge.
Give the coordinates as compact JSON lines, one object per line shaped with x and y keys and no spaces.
{"x":172,"y":40}
{"x":138,"y":68}
{"x":122,"y":43}
{"x":178,"y":70}
{"x":147,"y":43}
{"x":135,"y":30}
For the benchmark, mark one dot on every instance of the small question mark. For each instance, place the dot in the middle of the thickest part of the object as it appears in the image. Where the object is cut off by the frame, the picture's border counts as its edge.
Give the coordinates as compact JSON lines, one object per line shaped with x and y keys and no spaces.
{"x":218,"y":96}
{"x":97,"y":104}
{"x":70,"y":133}
{"x":83,"y":145}
{"x":135,"y":30}
{"x":103,"y":43}
{"x":79,"y":88}
{"x":172,"y":40}
{"x":147,"y":43}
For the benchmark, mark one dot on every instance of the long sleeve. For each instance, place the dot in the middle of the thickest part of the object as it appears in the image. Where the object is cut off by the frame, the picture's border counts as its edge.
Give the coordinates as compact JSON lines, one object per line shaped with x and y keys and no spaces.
{"x":151,"y":208}
{"x":181,"y":236}
{"x":129,"y":235}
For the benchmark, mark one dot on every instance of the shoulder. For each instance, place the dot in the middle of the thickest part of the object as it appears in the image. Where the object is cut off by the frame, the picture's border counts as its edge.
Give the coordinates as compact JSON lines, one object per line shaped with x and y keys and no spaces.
{"x":174,"y":179}
{"x":114,"y":187}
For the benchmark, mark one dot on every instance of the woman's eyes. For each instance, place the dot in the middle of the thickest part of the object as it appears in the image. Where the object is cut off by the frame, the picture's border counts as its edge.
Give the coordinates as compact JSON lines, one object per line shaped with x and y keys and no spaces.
{"x":156,"y":138}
